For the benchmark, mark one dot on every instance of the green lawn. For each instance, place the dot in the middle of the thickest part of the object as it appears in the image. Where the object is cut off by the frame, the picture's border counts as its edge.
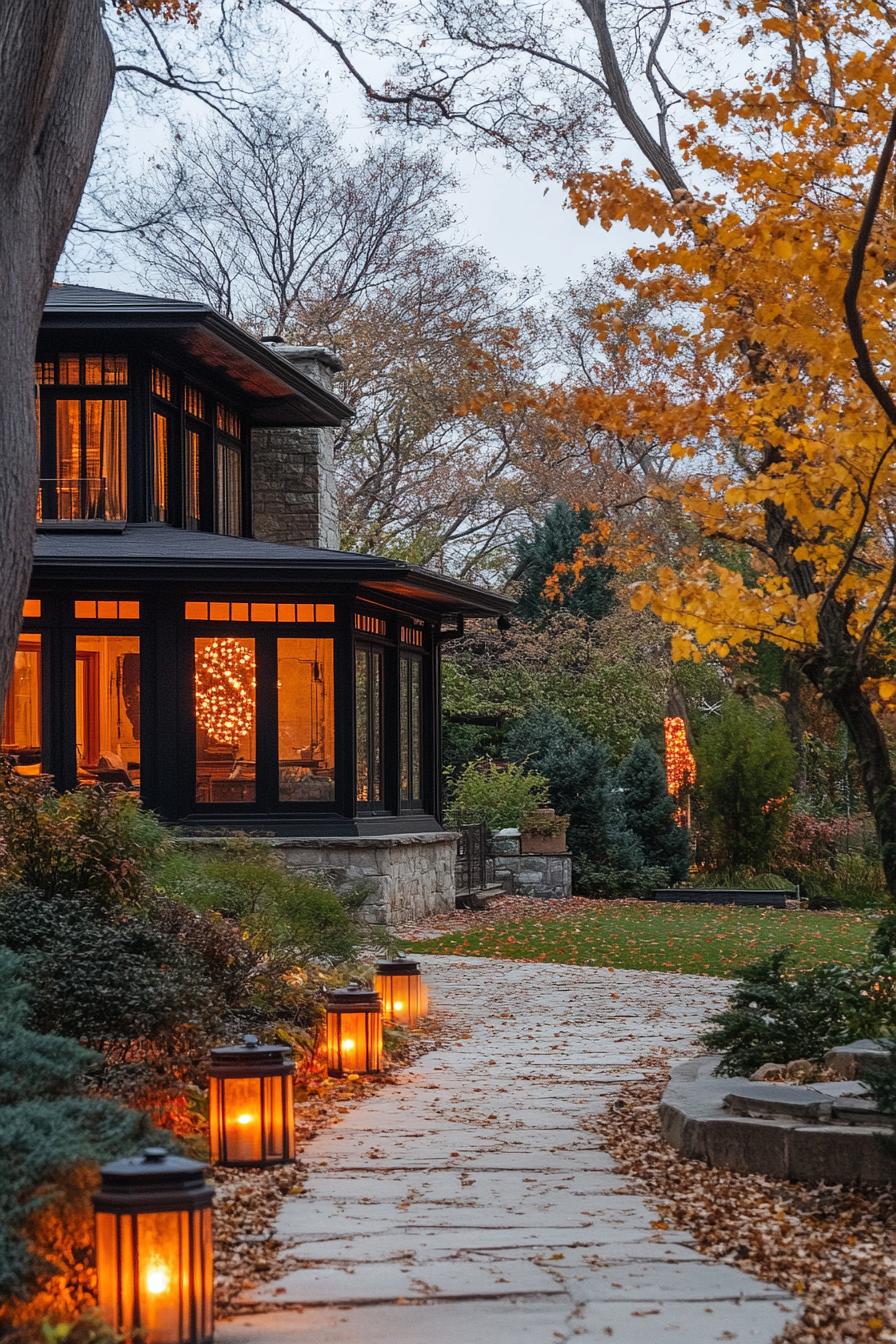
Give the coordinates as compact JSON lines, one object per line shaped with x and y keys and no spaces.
{"x":703,"y":940}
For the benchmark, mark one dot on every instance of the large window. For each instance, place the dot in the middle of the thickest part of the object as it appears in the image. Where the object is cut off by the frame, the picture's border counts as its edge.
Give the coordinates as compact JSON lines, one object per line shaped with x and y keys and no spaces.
{"x":21,"y":714}
{"x":305,"y":721}
{"x":84,"y":448}
{"x":369,"y":725}
{"x":107,"y":709}
{"x":224,"y":700}
{"x":410,"y":729}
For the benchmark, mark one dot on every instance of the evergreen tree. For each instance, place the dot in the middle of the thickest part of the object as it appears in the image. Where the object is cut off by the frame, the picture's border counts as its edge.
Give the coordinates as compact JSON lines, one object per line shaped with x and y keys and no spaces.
{"x":555,"y":540}
{"x":607,"y":857}
{"x":746,"y":767}
{"x":650,"y":811}
{"x":47,"y":1134}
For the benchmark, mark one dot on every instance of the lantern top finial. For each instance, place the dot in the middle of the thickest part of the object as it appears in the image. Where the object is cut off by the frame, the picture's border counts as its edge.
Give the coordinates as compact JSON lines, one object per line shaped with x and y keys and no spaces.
{"x":402,"y":965}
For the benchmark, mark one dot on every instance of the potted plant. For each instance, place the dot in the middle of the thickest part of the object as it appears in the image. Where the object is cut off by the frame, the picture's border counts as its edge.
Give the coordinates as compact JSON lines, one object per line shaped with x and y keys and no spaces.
{"x":544,"y":832}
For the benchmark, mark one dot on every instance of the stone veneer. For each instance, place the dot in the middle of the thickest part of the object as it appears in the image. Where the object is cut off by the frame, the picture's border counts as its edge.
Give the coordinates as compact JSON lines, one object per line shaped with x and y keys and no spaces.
{"x":294,"y":470}
{"x":408,"y":877}
{"x":548,"y":875}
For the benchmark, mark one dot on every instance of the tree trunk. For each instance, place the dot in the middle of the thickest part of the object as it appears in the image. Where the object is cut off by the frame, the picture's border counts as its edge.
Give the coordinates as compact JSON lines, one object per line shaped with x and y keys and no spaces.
{"x":56,"y":76}
{"x":875,"y":765}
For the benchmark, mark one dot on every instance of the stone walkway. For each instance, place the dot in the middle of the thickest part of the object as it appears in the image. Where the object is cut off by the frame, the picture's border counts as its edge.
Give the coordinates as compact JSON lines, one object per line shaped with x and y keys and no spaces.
{"x":469,"y":1206}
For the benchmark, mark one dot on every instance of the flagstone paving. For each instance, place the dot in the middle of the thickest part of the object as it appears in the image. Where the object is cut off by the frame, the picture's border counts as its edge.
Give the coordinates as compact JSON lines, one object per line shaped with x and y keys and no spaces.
{"x":469,"y":1204}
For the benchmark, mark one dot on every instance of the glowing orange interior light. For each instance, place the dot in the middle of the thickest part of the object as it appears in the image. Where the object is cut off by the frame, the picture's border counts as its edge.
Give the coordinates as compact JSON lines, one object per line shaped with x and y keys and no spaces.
{"x":354,"y":1031}
{"x":158,"y":1279}
{"x":400,"y":986}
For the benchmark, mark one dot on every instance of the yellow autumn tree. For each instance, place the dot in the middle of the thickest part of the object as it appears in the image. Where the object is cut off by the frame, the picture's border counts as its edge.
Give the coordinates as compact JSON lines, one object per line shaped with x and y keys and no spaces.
{"x":774,"y":256}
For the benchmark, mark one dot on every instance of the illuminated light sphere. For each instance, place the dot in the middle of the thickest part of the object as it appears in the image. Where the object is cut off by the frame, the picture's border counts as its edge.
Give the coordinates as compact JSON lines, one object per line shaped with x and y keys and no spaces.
{"x":153,"y":1217}
{"x":225,"y":690}
{"x":251,"y":1116}
{"x":401,"y":988}
{"x":354,"y":1031}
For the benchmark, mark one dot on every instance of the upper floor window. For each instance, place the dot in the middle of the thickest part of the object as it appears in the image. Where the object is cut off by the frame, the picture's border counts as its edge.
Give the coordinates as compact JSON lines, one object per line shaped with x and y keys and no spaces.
{"x":228,"y":473}
{"x":83,"y":433}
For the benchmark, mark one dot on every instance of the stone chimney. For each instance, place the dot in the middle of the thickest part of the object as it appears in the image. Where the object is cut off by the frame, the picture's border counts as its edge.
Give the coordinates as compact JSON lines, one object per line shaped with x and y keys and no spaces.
{"x":294,"y":470}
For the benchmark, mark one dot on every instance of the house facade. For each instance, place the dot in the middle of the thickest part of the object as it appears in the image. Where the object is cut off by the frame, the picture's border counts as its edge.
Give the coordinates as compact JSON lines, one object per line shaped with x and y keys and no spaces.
{"x":193,"y":632}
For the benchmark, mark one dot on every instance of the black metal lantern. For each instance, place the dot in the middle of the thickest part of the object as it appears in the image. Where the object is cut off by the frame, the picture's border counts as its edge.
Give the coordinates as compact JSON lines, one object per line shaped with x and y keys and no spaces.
{"x":251,"y":1118}
{"x":154,"y":1248}
{"x":354,"y":1031}
{"x":401,"y":988}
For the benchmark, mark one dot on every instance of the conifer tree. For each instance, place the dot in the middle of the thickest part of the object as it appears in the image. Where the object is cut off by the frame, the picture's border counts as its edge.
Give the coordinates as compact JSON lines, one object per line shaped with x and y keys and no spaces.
{"x":650,"y":811}
{"x":555,"y":540}
{"x":607,"y":857}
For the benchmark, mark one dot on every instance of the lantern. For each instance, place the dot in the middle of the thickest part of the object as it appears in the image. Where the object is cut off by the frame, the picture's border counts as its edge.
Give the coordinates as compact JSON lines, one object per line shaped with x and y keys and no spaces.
{"x":354,"y":1031}
{"x":250,"y":1105}
{"x":401,"y":988}
{"x":154,"y":1248}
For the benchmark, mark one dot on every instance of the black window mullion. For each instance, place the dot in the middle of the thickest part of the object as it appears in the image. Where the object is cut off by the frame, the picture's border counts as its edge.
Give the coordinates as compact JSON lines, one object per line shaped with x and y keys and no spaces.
{"x":267,"y":774}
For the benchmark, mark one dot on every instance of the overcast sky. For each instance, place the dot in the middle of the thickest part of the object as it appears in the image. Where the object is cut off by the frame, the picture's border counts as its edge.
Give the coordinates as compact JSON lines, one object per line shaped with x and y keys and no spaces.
{"x":525,"y":226}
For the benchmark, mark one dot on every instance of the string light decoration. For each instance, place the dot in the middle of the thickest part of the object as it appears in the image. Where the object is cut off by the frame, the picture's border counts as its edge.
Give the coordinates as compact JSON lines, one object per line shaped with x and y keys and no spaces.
{"x":681,"y":768}
{"x":225,"y":690}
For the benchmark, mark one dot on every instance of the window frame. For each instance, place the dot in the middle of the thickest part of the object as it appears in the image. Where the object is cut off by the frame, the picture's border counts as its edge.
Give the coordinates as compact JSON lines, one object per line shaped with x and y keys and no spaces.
{"x":266,"y":635}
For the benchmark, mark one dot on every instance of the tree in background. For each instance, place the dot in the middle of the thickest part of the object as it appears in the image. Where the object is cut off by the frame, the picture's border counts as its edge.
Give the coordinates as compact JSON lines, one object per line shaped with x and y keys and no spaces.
{"x":610,"y":678}
{"x":607,"y":857}
{"x":650,"y":811}
{"x":555,"y":540}
{"x":746,"y":767}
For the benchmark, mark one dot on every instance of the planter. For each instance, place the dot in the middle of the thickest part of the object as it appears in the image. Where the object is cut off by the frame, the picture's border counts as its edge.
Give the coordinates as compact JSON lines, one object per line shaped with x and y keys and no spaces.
{"x":532,"y":843}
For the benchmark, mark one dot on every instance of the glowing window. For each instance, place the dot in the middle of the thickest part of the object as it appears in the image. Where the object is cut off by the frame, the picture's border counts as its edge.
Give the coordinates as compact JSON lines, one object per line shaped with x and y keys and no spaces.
{"x":224,"y":699}
{"x":370,"y":625}
{"x":106,"y":610}
{"x":194,"y":402}
{"x":107,"y":709}
{"x":286,"y":613}
{"x":161,"y":384}
{"x":31,"y":608}
{"x":305,"y":721}
{"x":22,"y":713}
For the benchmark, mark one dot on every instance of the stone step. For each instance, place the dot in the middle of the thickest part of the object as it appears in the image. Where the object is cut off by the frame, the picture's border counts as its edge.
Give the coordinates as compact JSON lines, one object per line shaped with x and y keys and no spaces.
{"x":482,"y":899}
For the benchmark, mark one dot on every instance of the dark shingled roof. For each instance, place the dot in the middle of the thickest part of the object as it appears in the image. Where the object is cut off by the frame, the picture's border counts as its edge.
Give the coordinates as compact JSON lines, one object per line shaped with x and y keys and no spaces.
{"x":162,"y":551}
{"x":282,"y":394}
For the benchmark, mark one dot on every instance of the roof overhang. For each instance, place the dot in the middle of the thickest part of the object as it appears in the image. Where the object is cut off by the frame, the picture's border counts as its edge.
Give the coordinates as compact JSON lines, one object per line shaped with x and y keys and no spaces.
{"x":280,"y":394}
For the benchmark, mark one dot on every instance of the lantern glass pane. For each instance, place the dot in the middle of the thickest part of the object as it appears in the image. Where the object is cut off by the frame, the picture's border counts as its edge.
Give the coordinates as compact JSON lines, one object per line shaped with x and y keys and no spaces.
{"x":242,"y":1119}
{"x":401,"y":996}
{"x":354,"y":1041}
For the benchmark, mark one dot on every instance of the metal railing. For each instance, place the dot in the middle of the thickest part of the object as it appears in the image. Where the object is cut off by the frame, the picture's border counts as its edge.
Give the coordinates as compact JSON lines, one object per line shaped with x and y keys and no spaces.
{"x":76,"y":498}
{"x":471,"y":863}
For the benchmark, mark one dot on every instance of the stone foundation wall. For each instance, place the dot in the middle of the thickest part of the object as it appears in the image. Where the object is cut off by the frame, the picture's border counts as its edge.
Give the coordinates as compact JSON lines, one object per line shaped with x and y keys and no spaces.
{"x":408,"y":876}
{"x":548,"y":875}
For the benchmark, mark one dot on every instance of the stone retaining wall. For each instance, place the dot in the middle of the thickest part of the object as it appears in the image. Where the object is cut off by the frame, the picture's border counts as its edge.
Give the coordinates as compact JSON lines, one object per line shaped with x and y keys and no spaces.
{"x":548,"y":875}
{"x":408,"y":876}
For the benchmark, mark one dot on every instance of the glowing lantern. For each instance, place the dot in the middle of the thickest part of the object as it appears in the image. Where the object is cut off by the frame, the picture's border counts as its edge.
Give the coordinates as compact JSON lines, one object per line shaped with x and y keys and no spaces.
{"x":154,"y":1249}
{"x":354,"y":1031}
{"x":250,"y":1105}
{"x":401,"y":988}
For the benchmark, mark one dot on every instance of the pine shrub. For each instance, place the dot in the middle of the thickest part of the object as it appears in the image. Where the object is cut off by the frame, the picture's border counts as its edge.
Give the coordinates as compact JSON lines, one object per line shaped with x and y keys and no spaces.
{"x":650,"y":812}
{"x":607,"y":856}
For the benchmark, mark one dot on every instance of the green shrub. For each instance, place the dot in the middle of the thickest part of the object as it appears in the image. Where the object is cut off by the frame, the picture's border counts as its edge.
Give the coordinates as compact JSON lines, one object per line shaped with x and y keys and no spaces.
{"x":495,"y":795}
{"x":104,"y":978}
{"x":91,"y":840}
{"x":282,"y":913}
{"x":555,"y":540}
{"x":746,"y":766}
{"x":776,"y":1014}
{"x":607,"y":856}
{"x":51,"y":1139}
{"x":650,"y":812}
{"x":849,"y":882}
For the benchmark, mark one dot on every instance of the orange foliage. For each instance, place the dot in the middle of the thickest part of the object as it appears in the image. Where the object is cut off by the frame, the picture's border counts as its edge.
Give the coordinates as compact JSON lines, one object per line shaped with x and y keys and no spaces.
{"x":781,"y":452}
